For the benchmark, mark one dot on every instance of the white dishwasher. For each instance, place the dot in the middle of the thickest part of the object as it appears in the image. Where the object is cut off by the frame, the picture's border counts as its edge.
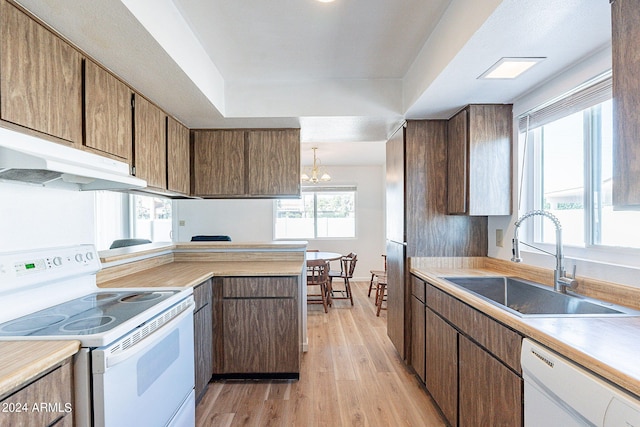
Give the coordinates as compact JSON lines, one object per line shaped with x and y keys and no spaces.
{"x":560,"y":393}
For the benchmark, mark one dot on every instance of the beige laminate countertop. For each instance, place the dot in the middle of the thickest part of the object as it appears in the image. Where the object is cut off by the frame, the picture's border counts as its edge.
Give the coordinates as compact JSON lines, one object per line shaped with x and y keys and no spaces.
{"x":185,"y":274}
{"x":22,"y":361}
{"x":608,"y":346}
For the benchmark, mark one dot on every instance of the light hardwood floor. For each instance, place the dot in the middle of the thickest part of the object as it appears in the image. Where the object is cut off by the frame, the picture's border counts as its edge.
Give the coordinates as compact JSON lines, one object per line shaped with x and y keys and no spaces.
{"x":351,"y":376}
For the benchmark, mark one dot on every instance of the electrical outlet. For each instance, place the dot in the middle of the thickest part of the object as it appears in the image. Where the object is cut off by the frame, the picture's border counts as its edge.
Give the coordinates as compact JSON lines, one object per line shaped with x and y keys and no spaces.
{"x":499,"y":237}
{"x":182,"y":222}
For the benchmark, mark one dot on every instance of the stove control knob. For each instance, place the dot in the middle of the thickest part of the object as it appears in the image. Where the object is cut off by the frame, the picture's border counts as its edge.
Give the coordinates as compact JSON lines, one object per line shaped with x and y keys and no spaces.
{"x":79,"y":258}
{"x":57,"y":261}
{"x":89,"y":256}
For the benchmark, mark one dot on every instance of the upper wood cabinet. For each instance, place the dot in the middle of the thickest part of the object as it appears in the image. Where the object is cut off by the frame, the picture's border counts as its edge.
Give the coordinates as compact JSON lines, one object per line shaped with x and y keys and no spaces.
{"x":479,"y":160}
{"x":218,"y":163}
{"x":625,"y":17}
{"x":108,"y":124}
{"x":246,"y":163}
{"x":273,"y":162}
{"x":178,"y":168}
{"x":40,"y":77}
{"x":150,"y":143}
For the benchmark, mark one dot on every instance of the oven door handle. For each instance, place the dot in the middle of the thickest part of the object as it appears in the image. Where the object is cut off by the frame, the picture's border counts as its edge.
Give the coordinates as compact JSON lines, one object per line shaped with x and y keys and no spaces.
{"x":149,"y":341}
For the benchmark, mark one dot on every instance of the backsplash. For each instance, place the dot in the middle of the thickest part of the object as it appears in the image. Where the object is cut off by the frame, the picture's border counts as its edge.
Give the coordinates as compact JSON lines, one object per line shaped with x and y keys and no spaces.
{"x":33,"y":217}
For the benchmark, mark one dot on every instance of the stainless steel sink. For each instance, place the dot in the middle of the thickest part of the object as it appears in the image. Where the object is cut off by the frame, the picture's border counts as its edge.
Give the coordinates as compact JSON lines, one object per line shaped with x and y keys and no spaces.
{"x":530,"y":299}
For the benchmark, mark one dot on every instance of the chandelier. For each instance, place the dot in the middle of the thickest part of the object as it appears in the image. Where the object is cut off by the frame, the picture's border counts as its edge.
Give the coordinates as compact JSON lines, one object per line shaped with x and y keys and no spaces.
{"x":316,"y":173}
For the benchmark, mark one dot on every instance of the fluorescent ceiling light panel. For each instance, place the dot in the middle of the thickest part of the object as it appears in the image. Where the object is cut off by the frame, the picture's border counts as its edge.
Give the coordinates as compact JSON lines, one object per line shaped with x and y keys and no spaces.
{"x":509,"y":68}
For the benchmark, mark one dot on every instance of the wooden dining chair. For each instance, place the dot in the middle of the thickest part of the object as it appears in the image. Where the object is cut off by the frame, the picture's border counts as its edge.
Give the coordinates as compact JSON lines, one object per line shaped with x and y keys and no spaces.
{"x":377,"y":273}
{"x":381,"y":293}
{"x":318,"y":277}
{"x":347,"y":267}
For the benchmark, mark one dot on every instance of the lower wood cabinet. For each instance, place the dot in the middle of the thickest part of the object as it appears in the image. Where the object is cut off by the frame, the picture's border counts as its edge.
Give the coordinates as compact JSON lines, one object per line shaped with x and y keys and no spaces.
{"x":490,"y":394}
{"x":260,"y":335}
{"x":442,"y":365}
{"x":472,"y":366}
{"x":203,"y":336}
{"x":418,"y":308}
{"x":55,"y":390}
{"x":257,"y":328}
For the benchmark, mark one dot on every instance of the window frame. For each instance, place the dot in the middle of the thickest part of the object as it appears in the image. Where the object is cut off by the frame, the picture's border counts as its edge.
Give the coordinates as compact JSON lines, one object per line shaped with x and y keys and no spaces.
{"x":531,"y":195}
{"x":315,"y":190}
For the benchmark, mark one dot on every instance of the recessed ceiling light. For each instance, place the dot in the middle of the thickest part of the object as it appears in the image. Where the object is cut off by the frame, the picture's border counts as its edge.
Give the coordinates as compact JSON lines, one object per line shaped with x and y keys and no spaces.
{"x":326,"y":1}
{"x":509,"y":68}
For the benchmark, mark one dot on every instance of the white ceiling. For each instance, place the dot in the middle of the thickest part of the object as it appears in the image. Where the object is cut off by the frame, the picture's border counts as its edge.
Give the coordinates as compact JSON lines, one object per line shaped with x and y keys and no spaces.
{"x":347,"y":73}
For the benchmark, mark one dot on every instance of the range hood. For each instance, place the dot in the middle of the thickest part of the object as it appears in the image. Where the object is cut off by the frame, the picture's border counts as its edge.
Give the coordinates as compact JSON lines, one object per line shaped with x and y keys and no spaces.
{"x":28,"y":159}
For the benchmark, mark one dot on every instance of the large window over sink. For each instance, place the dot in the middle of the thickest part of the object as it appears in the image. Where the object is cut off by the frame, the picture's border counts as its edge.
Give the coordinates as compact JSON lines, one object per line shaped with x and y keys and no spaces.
{"x":568,"y":170}
{"x":321,"y":212}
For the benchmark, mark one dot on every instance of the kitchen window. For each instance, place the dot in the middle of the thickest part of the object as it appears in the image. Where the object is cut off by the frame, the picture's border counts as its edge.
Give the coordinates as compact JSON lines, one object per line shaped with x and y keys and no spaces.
{"x":568,"y":166}
{"x":321,"y":212}
{"x":135,"y":216}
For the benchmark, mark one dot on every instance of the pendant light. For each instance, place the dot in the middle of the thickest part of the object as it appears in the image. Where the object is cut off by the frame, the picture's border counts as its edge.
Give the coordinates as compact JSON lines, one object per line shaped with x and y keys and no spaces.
{"x":316,"y":173}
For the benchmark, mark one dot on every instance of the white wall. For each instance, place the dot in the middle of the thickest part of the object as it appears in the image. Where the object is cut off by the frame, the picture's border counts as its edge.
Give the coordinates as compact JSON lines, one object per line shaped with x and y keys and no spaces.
{"x":615,"y":266}
{"x":252,"y":220}
{"x":34,"y":217}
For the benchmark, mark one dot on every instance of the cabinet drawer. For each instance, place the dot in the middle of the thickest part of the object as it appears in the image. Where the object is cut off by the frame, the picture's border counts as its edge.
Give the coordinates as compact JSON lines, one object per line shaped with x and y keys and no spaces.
{"x":54,"y":390}
{"x":499,"y":340}
{"x":418,"y":288}
{"x":260,"y":287}
{"x":202,"y":294}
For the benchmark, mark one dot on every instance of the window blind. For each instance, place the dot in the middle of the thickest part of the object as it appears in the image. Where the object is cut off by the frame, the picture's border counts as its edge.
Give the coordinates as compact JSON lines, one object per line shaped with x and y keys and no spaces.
{"x":324,"y":188}
{"x":591,"y":93}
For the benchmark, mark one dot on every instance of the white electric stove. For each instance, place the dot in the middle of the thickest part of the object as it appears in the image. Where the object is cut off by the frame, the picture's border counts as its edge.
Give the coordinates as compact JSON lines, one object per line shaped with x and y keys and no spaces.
{"x":136,"y":361}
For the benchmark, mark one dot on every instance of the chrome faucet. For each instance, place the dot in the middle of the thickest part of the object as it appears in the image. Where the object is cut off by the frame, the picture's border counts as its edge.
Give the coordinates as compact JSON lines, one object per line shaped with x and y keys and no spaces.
{"x":560,"y":280}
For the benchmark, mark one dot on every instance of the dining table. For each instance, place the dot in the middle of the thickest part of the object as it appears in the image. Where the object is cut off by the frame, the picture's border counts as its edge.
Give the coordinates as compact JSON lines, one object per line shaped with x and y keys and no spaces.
{"x":321,"y":255}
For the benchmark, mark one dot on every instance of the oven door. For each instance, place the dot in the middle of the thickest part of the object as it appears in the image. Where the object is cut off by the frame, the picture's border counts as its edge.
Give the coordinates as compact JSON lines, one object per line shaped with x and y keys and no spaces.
{"x":150,"y":380}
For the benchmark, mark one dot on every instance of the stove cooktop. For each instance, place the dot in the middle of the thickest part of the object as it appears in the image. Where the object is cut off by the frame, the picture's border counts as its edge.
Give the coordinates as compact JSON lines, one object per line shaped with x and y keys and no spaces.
{"x":89,"y":315}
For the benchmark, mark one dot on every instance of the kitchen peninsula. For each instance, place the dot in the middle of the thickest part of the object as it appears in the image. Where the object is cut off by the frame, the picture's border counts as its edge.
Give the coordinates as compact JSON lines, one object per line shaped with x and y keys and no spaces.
{"x":250,"y":314}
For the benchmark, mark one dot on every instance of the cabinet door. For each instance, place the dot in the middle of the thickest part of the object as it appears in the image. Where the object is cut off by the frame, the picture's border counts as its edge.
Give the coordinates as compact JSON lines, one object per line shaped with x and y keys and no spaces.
{"x":442,"y":365}
{"x":108,"y":123}
{"x":397,"y":298}
{"x":625,"y":18}
{"x":150,"y":149}
{"x":490,"y":136}
{"x":457,"y":174}
{"x":218,"y":163}
{"x":40,"y":77}
{"x":178,"y":169}
{"x":490,"y":393}
{"x":273,"y":162}
{"x":261,"y":336}
{"x":418,"y":336}
{"x":479,"y":161}
{"x":53,"y":388}
{"x":203,"y":345}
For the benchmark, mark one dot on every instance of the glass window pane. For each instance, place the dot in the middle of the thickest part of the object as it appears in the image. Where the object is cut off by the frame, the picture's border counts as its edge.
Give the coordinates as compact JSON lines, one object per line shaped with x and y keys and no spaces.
{"x":294,"y":218}
{"x":318,"y":214}
{"x":151,"y":218}
{"x":336,"y":216}
{"x":563,"y":178}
